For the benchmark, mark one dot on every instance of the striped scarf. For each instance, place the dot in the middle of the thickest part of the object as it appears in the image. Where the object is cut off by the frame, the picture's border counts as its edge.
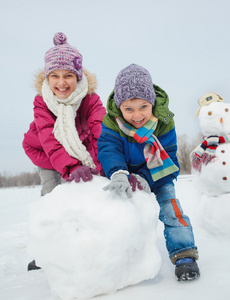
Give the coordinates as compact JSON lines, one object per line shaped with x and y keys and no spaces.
{"x":157,"y":159}
{"x":205,"y":153}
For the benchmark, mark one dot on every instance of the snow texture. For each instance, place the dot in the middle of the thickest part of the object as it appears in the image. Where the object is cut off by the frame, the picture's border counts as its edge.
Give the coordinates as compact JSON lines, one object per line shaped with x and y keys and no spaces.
{"x":214,"y":179}
{"x":91,"y":242}
{"x":18,"y":284}
{"x":214,"y":214}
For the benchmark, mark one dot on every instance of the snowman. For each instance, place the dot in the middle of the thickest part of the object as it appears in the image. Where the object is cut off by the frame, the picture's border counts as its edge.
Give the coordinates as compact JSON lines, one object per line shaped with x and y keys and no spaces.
{"x":211,"y":159}
{"x":211,"y":163}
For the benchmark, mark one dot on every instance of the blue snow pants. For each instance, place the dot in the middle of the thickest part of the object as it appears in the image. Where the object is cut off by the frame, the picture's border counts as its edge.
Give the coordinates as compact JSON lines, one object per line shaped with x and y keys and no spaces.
{"x":177,"y":227}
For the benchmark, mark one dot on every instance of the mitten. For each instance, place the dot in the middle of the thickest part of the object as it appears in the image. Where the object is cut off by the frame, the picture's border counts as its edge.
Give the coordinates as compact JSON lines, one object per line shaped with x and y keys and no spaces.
{"x":82,"y":172}
{"x":119,"y":183}
{"x":136,"y":181}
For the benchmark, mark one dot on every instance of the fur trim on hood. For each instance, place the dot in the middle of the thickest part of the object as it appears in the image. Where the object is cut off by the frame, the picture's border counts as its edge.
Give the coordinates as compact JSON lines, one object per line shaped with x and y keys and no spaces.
{"x":91,"y":78}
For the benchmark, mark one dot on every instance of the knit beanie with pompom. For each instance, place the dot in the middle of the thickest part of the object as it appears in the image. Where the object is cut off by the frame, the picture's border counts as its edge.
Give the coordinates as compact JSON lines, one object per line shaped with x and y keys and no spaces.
{"x":63,"y":57}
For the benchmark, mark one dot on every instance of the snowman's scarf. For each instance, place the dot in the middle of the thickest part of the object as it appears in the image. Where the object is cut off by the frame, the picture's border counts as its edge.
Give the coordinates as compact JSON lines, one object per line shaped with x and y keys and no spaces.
{"x":157,"y":159}
{"x":205,"y":153}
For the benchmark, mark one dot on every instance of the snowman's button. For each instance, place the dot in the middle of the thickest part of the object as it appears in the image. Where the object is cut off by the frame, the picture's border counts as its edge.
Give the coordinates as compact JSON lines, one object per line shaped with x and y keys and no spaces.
{"x":224,"y":163}
{"x":225,"y":178}
{"x":222,"y":151}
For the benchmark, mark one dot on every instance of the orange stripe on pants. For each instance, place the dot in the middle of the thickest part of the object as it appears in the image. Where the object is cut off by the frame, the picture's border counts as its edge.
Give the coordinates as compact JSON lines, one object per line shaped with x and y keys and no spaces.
{"x":178,"y":213}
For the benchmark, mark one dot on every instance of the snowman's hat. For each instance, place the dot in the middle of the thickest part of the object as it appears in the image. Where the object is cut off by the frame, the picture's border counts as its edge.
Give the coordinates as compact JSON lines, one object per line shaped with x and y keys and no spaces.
{"x":207,"y":99}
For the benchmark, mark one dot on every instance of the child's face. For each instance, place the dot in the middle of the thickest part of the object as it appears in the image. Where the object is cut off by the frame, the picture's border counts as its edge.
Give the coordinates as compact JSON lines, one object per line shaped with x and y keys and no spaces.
{"x":137,"y":112}
{"x":62,"y":83}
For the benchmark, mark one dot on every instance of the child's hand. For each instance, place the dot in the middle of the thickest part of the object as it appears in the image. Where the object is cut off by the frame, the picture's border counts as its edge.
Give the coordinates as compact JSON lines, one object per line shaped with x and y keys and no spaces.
{"x":136,"y":181}
{"x":120,"y":184}
{"x":82,"y":172}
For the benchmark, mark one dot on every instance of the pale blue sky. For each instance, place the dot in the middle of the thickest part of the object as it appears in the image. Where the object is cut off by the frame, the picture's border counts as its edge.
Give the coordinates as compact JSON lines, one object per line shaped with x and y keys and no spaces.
{"x":184,"y":44}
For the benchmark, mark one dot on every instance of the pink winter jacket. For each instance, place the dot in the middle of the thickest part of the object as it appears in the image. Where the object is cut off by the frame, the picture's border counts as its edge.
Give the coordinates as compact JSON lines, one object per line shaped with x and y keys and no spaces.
{"x":40,"y":144}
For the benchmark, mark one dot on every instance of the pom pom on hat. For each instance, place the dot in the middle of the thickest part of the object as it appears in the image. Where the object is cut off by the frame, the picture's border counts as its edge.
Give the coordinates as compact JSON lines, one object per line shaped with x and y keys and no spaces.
{"x":59,"y":39}
{"x":63,"y":57}
{"x":133,"y":82}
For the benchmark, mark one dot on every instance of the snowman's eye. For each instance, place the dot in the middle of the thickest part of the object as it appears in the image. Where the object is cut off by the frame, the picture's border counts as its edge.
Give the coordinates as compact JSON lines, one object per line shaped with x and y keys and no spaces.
{"x":209,"y":113}
{"x":226,"y":109}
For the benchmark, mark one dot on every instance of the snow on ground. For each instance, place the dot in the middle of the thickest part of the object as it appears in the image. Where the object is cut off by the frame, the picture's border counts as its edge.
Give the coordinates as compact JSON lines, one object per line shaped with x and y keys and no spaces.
{"x":17,"y":283}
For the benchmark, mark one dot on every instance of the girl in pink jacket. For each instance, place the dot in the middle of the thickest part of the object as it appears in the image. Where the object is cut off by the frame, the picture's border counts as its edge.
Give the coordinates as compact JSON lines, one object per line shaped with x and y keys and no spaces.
{"x":62,"y":139}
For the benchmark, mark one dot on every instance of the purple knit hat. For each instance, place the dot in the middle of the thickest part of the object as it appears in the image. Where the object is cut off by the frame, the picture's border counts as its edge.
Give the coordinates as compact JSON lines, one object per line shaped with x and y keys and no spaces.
{"x":63,"y":57}
{"x":133,"y":82}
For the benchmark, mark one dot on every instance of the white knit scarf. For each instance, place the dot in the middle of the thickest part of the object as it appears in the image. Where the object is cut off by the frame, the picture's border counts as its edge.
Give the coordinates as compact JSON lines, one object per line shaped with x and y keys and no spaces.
{"x":64,"y":128}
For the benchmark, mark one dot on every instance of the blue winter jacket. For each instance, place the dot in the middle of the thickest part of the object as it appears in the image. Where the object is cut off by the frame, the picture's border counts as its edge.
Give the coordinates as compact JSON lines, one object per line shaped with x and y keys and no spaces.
{"x":117,"y":151}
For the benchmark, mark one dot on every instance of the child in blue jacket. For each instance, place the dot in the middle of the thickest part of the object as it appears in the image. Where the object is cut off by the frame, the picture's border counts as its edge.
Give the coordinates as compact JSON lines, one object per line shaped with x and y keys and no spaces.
{"x":137,"y":149}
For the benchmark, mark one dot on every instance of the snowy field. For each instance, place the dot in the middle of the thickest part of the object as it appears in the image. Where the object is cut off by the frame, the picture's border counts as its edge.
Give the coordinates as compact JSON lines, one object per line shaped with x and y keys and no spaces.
{"x":214,"y":246}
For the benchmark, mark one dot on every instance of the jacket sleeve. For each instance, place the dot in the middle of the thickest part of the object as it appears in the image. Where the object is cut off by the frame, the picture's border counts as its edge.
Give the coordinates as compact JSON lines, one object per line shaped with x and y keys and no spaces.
{"x":61,"y":161}
{"x":33,"y":148}
{"x":111,"y":152}
{"x":94,"y":118}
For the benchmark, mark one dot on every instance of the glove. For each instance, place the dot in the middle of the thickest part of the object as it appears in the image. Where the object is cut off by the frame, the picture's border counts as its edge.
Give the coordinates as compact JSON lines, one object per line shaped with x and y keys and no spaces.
{"x":119,"y":183}
{"x":136,"y":181}
{"x":82,"y":172}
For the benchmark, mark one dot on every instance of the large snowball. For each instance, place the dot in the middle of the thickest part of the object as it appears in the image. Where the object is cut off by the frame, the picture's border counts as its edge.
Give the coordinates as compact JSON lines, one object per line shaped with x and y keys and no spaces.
{"x":91,"y":242}
{"x":214,"y":214}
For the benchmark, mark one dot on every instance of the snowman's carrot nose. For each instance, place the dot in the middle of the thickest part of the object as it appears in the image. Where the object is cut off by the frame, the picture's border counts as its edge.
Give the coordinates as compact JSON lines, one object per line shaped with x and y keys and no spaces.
{"x":221,"y":120}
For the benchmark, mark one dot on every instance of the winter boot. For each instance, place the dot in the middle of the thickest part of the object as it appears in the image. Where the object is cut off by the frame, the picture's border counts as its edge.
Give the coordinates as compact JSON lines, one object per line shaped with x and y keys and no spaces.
{"x":186,"y":269}
{"x":32,"y":266}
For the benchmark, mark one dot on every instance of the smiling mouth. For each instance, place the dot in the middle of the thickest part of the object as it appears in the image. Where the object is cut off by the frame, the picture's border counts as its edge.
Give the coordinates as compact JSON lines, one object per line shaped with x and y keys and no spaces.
{"x":138,"y":122}
{"x":62,"y":90}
